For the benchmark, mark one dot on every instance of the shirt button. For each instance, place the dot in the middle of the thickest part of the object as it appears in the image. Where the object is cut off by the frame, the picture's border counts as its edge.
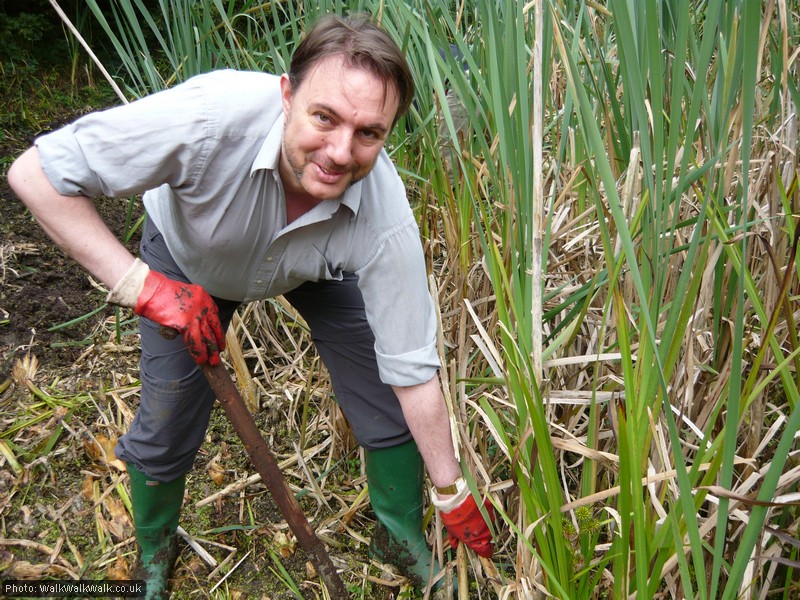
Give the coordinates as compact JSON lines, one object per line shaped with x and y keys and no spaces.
{"x":270,"y":259}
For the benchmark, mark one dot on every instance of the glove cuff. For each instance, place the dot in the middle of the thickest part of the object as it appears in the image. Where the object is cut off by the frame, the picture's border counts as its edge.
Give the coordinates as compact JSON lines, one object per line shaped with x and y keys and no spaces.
{"x":448,"y":504}
{"x":128,"y":289}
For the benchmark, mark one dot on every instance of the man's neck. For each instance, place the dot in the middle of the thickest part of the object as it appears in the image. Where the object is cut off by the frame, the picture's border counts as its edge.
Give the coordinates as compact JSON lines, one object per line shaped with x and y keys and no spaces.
{"x":299,"y":204}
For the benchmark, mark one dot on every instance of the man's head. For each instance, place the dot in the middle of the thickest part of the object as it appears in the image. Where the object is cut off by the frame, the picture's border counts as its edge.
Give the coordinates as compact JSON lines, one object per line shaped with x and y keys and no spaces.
{"x":362,"y":45}
{"x":346,"y":87}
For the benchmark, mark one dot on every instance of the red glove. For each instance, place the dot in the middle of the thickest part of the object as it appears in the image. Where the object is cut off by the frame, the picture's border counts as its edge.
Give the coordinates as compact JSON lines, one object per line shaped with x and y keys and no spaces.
{"x":186,"y":308}
{"x":466,"y":523}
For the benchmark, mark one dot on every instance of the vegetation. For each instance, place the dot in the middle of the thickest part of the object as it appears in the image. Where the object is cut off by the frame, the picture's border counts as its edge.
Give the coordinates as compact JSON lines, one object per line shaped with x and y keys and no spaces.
{"x":608,"y":195}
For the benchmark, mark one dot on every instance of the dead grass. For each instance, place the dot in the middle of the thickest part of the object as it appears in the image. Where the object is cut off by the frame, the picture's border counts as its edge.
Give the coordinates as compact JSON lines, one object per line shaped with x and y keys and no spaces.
{"x":64,"y":502}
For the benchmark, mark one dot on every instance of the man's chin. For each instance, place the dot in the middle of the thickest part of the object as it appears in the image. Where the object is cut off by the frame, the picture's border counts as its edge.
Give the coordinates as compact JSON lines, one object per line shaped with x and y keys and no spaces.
{"x":323,"y":191}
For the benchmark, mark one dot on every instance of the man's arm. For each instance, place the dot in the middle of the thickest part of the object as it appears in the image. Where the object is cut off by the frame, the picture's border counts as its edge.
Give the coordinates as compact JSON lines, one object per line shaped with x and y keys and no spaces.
{"x":76,"y":226}
{"x":71,"y":221}
{"x":426,"y":414}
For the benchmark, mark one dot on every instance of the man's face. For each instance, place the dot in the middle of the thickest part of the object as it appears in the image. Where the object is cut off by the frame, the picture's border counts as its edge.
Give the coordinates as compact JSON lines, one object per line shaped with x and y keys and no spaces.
{"x":337,"y":122}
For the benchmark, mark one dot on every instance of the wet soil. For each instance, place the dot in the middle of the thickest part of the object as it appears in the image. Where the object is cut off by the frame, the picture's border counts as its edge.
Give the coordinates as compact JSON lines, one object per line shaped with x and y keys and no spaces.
{"x":43,"y":290}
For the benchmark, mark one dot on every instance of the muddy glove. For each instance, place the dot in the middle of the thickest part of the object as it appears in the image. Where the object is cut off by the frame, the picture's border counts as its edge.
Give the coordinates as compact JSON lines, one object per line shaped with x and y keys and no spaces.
{"x":184,"y":307}
{"x":464,"y":520}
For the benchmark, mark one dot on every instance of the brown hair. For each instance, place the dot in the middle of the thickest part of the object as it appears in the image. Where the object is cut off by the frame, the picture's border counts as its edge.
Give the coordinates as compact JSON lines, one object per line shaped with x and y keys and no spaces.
{"x":363,"y":45}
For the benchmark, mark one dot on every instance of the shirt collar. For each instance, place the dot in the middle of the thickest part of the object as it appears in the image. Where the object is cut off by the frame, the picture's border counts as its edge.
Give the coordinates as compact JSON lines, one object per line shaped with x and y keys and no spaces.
{"x":269,"y":155}
{"x":270,"y":152}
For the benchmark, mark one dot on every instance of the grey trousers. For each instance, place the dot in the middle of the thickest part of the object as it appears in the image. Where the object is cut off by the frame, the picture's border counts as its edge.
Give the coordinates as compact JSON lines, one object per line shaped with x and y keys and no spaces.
{"x":176,"y":400}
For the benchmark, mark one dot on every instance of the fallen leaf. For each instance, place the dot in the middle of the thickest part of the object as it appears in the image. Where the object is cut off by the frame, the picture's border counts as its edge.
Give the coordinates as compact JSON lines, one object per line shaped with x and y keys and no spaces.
{"x":87,"y":491}
{"x":109,"y":445}
{"x":120,"y":520}
{"x":284,"y":544}
{"x":196,"y":566}
{"x":101,"y":450}
{"x":92,"y":448}
{"x":217,"y":473}
{"x":119,"y":569}
{"x":109,"y":527}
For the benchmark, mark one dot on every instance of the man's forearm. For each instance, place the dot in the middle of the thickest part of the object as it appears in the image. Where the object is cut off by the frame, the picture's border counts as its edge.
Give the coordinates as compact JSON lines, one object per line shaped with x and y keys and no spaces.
{"x":426,"y":414}
{"x":71,"y":222}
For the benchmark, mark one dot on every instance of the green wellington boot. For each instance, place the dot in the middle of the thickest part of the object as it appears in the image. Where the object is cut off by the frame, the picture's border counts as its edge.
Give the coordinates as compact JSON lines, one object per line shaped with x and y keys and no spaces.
{"x":395,"y":480}
{"x":156,"y":509}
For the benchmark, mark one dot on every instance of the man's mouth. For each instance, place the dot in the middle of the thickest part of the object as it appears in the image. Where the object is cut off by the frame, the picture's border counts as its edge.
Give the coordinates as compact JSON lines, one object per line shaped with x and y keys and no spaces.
{"x":329,"y":175}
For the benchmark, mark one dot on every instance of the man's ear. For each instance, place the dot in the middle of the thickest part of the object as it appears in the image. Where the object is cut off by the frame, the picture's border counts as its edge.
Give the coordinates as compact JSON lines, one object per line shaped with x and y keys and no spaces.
{"x":286,"y":93}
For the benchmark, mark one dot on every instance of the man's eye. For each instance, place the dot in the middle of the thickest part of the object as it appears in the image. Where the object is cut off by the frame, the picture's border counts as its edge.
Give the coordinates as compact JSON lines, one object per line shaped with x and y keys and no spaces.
{"x":370,"y":135}
{"x":322,"y":118}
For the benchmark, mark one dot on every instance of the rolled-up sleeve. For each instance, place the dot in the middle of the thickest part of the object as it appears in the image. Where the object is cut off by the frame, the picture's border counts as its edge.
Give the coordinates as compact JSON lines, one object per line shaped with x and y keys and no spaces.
{"x":129,"y":149}
{"x":400,"y":309}
{"x":66,"y":167}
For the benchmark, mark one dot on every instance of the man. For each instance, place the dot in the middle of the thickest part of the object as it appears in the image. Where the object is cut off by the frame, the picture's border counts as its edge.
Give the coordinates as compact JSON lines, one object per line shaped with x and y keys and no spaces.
{"x":258,"y":185}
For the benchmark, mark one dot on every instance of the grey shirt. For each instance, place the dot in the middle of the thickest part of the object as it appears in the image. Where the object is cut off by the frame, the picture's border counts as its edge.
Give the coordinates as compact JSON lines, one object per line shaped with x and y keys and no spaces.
{"x":205,"y":153}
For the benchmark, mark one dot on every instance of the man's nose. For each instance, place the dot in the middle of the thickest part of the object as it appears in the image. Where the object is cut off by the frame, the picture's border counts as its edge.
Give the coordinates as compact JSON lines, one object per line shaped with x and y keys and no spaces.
{"x":340,"y":147}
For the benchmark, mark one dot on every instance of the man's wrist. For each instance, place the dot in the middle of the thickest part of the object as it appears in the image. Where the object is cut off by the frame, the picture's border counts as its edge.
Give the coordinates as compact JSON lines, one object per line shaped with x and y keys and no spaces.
{"x":128,"y":289}
{"x":454,"y":499}
{"x":449,"y":490}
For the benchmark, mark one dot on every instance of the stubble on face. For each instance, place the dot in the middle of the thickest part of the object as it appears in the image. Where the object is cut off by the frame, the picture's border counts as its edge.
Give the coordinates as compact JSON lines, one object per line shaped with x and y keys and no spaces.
{"x":298,"y":161}
{"x":334,"y":103}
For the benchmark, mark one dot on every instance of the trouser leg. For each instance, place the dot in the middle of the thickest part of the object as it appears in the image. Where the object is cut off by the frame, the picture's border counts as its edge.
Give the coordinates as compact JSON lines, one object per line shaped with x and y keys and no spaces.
{"x":176,"y":400}
{"x":334,"y":311}
{"x":167,"y":431}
